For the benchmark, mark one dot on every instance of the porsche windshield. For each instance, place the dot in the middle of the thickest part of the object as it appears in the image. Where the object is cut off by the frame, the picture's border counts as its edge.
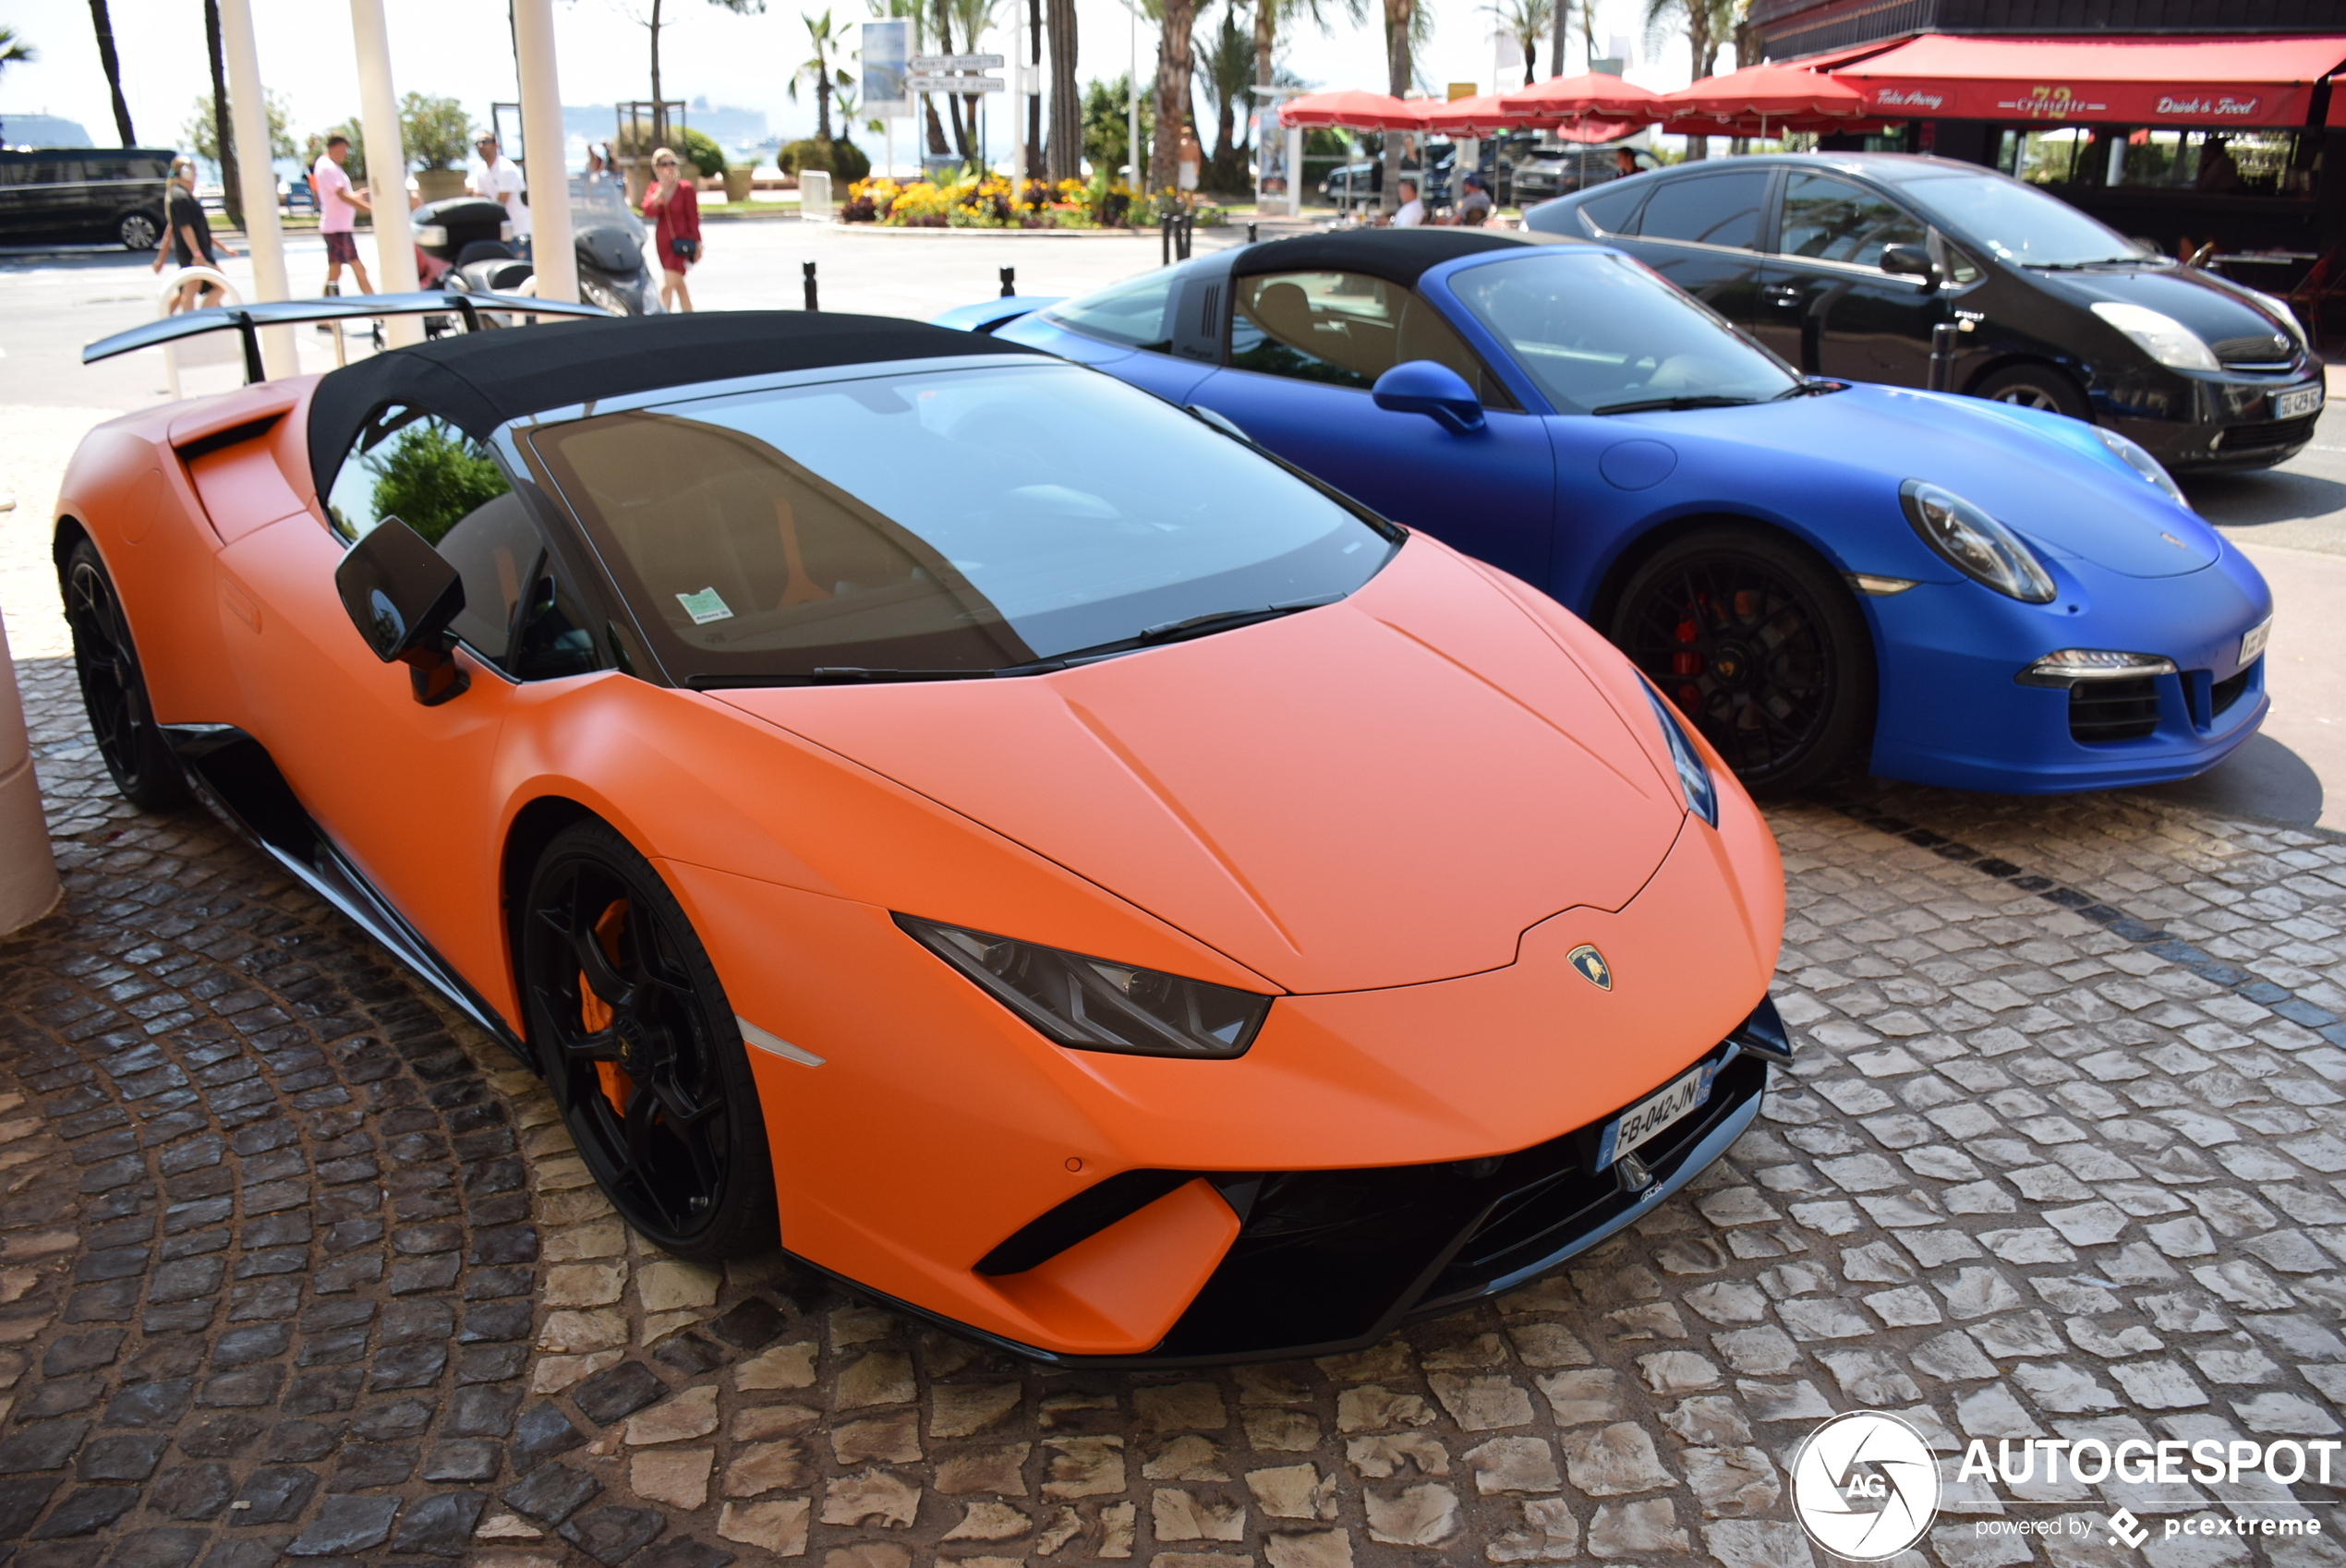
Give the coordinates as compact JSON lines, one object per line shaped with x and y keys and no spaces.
{"x":940,"y":522}
{"x":1600,"y":334}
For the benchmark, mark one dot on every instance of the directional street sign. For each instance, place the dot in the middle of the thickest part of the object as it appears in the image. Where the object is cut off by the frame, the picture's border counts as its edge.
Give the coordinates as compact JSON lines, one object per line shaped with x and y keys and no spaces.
{"x":933,"y":64}
{"x":926,"y":81}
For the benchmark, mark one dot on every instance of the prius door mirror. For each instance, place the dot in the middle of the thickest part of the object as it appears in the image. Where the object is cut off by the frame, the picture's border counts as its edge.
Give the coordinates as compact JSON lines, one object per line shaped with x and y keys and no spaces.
{"x":1421,"y":386}
{"x":1910,"y":261}
{"x":401,"y":593}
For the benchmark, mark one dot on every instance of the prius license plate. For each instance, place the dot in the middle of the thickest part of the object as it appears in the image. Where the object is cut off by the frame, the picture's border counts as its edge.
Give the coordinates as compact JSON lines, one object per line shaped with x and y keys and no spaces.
{"x":1653,"y":1113}
{"x":2251,"y":642}
{"x":2297,"y":401}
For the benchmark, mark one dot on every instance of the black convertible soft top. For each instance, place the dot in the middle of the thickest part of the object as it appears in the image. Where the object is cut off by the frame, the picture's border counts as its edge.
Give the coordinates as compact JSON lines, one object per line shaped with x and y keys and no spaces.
{"x":1398,"y":256}
{"x":478,"y":381}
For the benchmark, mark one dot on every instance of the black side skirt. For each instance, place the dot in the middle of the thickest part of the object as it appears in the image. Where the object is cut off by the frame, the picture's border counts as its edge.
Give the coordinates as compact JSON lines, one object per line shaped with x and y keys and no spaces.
{"x":234,"y":775}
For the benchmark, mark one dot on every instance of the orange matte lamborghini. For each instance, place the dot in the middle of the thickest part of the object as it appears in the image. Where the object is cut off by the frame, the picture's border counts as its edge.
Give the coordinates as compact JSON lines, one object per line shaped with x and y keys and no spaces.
{"x":1056,"y":868}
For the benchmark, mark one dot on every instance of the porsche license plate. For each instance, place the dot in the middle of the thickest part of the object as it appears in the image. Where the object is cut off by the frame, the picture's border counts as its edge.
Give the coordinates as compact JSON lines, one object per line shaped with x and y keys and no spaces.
{"x":1653,"y":1113}
{"x":2297,"y":401}
{"x":2251,"y":642}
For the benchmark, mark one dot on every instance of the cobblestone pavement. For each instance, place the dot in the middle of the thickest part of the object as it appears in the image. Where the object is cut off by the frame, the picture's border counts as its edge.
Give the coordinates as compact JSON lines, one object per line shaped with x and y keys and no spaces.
{"x":291,"y":1262}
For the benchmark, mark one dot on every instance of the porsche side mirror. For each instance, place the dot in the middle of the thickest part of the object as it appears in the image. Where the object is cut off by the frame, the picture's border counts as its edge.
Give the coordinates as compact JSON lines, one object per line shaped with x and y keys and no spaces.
{"x":1910,"y":261}
{"x":401,"y":593}
{"x":1420,"y":386}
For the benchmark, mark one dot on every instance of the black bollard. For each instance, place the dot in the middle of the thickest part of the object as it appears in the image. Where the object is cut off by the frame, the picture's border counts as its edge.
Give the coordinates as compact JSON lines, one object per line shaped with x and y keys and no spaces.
{"x":1251,"y":233}
{"x":1009,"y":283}
{"x":808,"y":271}
{"x":1164,"y":240}
{"x":1942,"y":356}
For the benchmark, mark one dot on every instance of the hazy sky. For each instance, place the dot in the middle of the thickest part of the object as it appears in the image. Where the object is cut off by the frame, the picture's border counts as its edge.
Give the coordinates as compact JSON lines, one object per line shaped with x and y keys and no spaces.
{"x":460,"y":48}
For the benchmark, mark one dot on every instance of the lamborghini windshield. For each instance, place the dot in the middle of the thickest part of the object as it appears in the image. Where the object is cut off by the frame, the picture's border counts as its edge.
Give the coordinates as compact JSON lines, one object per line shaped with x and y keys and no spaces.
{"x":940,"y":522}
{"x":1600,"y":334}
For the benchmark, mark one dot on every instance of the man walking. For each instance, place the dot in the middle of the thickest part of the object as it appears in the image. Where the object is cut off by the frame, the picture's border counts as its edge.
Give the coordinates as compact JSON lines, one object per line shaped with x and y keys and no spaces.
{"x":338,"y":210}
{"x":494,"y":175}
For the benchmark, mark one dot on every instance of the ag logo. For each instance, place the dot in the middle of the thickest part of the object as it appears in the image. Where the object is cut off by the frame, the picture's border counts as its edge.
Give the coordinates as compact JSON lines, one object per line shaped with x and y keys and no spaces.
{"x":1591,"y":965}
{"x":1865,"y":1487}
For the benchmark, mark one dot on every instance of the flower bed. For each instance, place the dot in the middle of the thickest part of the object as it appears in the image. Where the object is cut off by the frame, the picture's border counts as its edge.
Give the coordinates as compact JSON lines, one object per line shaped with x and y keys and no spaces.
{"x":986,"y":202}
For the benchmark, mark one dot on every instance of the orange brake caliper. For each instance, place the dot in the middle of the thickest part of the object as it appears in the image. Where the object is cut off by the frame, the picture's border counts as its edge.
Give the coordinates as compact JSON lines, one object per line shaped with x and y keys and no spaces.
{"x":596,"y":1014}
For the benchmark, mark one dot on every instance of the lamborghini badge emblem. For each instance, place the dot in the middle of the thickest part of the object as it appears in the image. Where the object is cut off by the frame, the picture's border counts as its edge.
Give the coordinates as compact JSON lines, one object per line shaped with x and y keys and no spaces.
{"x":1591,"y":965}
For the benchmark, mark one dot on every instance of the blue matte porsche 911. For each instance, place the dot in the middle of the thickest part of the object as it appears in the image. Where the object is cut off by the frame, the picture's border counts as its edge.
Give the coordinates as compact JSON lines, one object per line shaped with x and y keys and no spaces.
{"x":1821,"y":574}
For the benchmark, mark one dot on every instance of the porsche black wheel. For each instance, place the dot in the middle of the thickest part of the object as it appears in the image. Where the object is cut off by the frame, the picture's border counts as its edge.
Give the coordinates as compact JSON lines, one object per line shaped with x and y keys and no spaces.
{"x":1759,"y":645}
{"x":642,"y":1050}
{"x":113,"y":691}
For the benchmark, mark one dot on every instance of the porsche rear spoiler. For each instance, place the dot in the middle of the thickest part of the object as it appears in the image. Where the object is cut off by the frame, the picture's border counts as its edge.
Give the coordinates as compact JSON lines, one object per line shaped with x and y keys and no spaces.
{"x":247,"y":320}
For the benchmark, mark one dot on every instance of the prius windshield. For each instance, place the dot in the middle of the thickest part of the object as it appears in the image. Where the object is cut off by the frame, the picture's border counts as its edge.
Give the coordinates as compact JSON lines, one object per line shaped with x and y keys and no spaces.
{"x":1600,"y":334}
{"x":2019,"y":223}
{"x":942,"y":523}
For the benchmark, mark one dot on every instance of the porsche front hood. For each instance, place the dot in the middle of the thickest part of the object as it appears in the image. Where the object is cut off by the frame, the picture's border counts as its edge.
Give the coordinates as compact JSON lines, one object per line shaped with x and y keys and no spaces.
{"x":1384,"y":792}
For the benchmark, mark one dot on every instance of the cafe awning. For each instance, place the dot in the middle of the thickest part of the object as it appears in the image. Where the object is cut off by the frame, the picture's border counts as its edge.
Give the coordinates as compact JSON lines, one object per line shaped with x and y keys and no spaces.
{"x":2142,"y":82}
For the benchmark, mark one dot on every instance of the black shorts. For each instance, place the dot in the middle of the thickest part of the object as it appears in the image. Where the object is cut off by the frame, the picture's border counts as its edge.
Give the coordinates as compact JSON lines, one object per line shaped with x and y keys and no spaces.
{"x":342,"y":248}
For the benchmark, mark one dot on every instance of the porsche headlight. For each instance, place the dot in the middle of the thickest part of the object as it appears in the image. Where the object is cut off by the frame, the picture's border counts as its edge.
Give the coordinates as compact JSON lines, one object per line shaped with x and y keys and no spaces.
{"x":1094,"y":1005}
{"x":2159,"y":335}
{"x":1694,"y":777}
{"x":1974,"y":543}
{"x":2132,"y":454}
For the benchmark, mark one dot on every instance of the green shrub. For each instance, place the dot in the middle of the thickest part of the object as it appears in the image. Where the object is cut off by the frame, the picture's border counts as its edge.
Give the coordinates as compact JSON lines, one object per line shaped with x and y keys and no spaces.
{"x":434,"y":132}
{"x":701,"y":150}
{"x":844,"y":160}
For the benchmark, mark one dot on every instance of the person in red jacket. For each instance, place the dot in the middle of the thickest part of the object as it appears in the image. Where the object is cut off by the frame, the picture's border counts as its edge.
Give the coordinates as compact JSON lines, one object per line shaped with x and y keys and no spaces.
{"x":675,"y":210}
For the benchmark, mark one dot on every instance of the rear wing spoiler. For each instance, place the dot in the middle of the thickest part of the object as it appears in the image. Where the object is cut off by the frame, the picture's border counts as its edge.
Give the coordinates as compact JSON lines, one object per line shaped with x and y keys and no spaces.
{"x":247,"y":320}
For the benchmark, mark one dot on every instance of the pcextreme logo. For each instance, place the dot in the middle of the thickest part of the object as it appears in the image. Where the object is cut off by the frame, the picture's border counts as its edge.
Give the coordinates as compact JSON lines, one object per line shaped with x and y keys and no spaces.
{"x":1866,"y":1485}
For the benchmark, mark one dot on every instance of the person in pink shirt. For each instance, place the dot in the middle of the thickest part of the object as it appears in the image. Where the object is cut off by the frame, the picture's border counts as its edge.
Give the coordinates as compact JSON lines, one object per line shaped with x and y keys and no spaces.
{"x":338,"y":210}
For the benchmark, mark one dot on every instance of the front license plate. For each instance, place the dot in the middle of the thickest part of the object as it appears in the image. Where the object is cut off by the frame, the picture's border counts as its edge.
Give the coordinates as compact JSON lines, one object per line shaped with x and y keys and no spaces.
{"x":2251,"y":642}
{"x":2297,"y":401}
{"x":1653,"y":1113}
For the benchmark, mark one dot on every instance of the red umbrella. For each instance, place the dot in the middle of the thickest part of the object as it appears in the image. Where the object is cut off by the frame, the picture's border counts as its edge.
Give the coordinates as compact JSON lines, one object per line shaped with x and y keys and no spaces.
{"x":1471,"y":116}
{"x":1560,"y":99}
{"x":1772,"y":97}
{"x":1354,"y":110}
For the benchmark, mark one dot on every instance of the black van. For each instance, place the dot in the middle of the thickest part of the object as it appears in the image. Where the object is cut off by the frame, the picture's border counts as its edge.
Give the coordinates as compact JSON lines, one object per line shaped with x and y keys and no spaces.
{"x":1843,"y":262}
{"x":84,"y":193}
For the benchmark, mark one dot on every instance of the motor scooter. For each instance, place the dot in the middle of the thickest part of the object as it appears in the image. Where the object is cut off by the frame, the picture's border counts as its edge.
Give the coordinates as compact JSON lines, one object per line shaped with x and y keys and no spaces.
{"x":470,"y":236}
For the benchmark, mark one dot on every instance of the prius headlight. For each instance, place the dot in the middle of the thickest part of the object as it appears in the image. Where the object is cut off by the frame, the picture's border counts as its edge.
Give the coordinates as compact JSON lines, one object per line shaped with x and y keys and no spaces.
{"x":1095,"y":1005}
{"x":1974,"y":543}
{"x":2132,"y":454}
{"x":2159,"y":335}
{"x":1694,"y":777}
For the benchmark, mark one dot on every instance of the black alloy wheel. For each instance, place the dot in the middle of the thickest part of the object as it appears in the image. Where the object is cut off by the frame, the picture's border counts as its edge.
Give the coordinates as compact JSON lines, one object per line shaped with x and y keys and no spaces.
{"x":642,"y":1052}
{"x":1760,"y":647}
{"x":114,"y":691}
{"x":2037,"y":386}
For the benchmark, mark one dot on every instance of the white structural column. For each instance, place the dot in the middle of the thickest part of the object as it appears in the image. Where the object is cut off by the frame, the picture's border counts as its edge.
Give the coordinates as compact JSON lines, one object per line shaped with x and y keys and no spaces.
{"x":386,"y":164}
{"x":258,"y":176}
{"x":541,"y":133}
{"x":28,"y":872}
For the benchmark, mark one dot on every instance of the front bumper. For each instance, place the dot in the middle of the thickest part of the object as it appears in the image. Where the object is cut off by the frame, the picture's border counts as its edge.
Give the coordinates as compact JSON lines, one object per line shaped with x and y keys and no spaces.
{"x":2220,"y":421}
{"x":1327,"y":1261}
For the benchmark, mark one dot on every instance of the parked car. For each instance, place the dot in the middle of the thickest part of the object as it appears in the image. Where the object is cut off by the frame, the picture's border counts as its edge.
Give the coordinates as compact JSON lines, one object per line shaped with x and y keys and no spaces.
{"x":1820,"y":573}
{"x":1844,"y":263}
{"x":1362,"y":180}
{"x":832,"y":750}
{"x":1547,"y":173}
{"x":84,"y":193}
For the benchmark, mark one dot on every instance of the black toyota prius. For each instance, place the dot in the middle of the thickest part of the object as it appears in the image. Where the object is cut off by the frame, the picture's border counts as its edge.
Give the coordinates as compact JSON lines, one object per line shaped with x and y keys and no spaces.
{"x":1843,"y":262}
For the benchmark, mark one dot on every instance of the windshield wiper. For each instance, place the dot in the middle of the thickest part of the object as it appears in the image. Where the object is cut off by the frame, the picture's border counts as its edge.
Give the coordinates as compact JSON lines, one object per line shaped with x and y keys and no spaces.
{"x":2081,"y":266}
{"x":1811,"y":389}
{"x":1224,"y":621}
{"x":850,"y":674}
{"x":1671,"y":404}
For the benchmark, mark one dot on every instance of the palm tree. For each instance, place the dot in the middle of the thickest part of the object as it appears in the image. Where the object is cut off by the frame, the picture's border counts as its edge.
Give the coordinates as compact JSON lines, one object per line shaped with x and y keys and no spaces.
{"x":1226,"y":68}
{"x":223,"y":132}
{"x":103,"y":22}
{"x":1174,"y":67}
{"x":1407,"y":25}
{"x":1707,"y":24}
{"x":974,"y":18}
{"x":822,"y":67}
{"x":1063,"y":154}
{"x":1524,"y":22}
{"x":660,"y":115}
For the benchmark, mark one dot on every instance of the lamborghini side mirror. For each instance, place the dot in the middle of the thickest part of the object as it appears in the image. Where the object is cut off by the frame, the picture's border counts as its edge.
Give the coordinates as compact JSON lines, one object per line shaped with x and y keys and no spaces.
{"x":401,"y":593}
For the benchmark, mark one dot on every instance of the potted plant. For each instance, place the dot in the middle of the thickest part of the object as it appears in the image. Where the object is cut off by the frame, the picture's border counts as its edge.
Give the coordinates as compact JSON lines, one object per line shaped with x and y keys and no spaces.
{"x":436,"y":136}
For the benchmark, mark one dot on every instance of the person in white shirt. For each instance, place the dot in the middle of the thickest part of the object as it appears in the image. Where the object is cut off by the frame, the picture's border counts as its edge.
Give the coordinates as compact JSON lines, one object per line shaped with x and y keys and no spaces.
{"x":497,"y":178}
{"x":1412,"y":211}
